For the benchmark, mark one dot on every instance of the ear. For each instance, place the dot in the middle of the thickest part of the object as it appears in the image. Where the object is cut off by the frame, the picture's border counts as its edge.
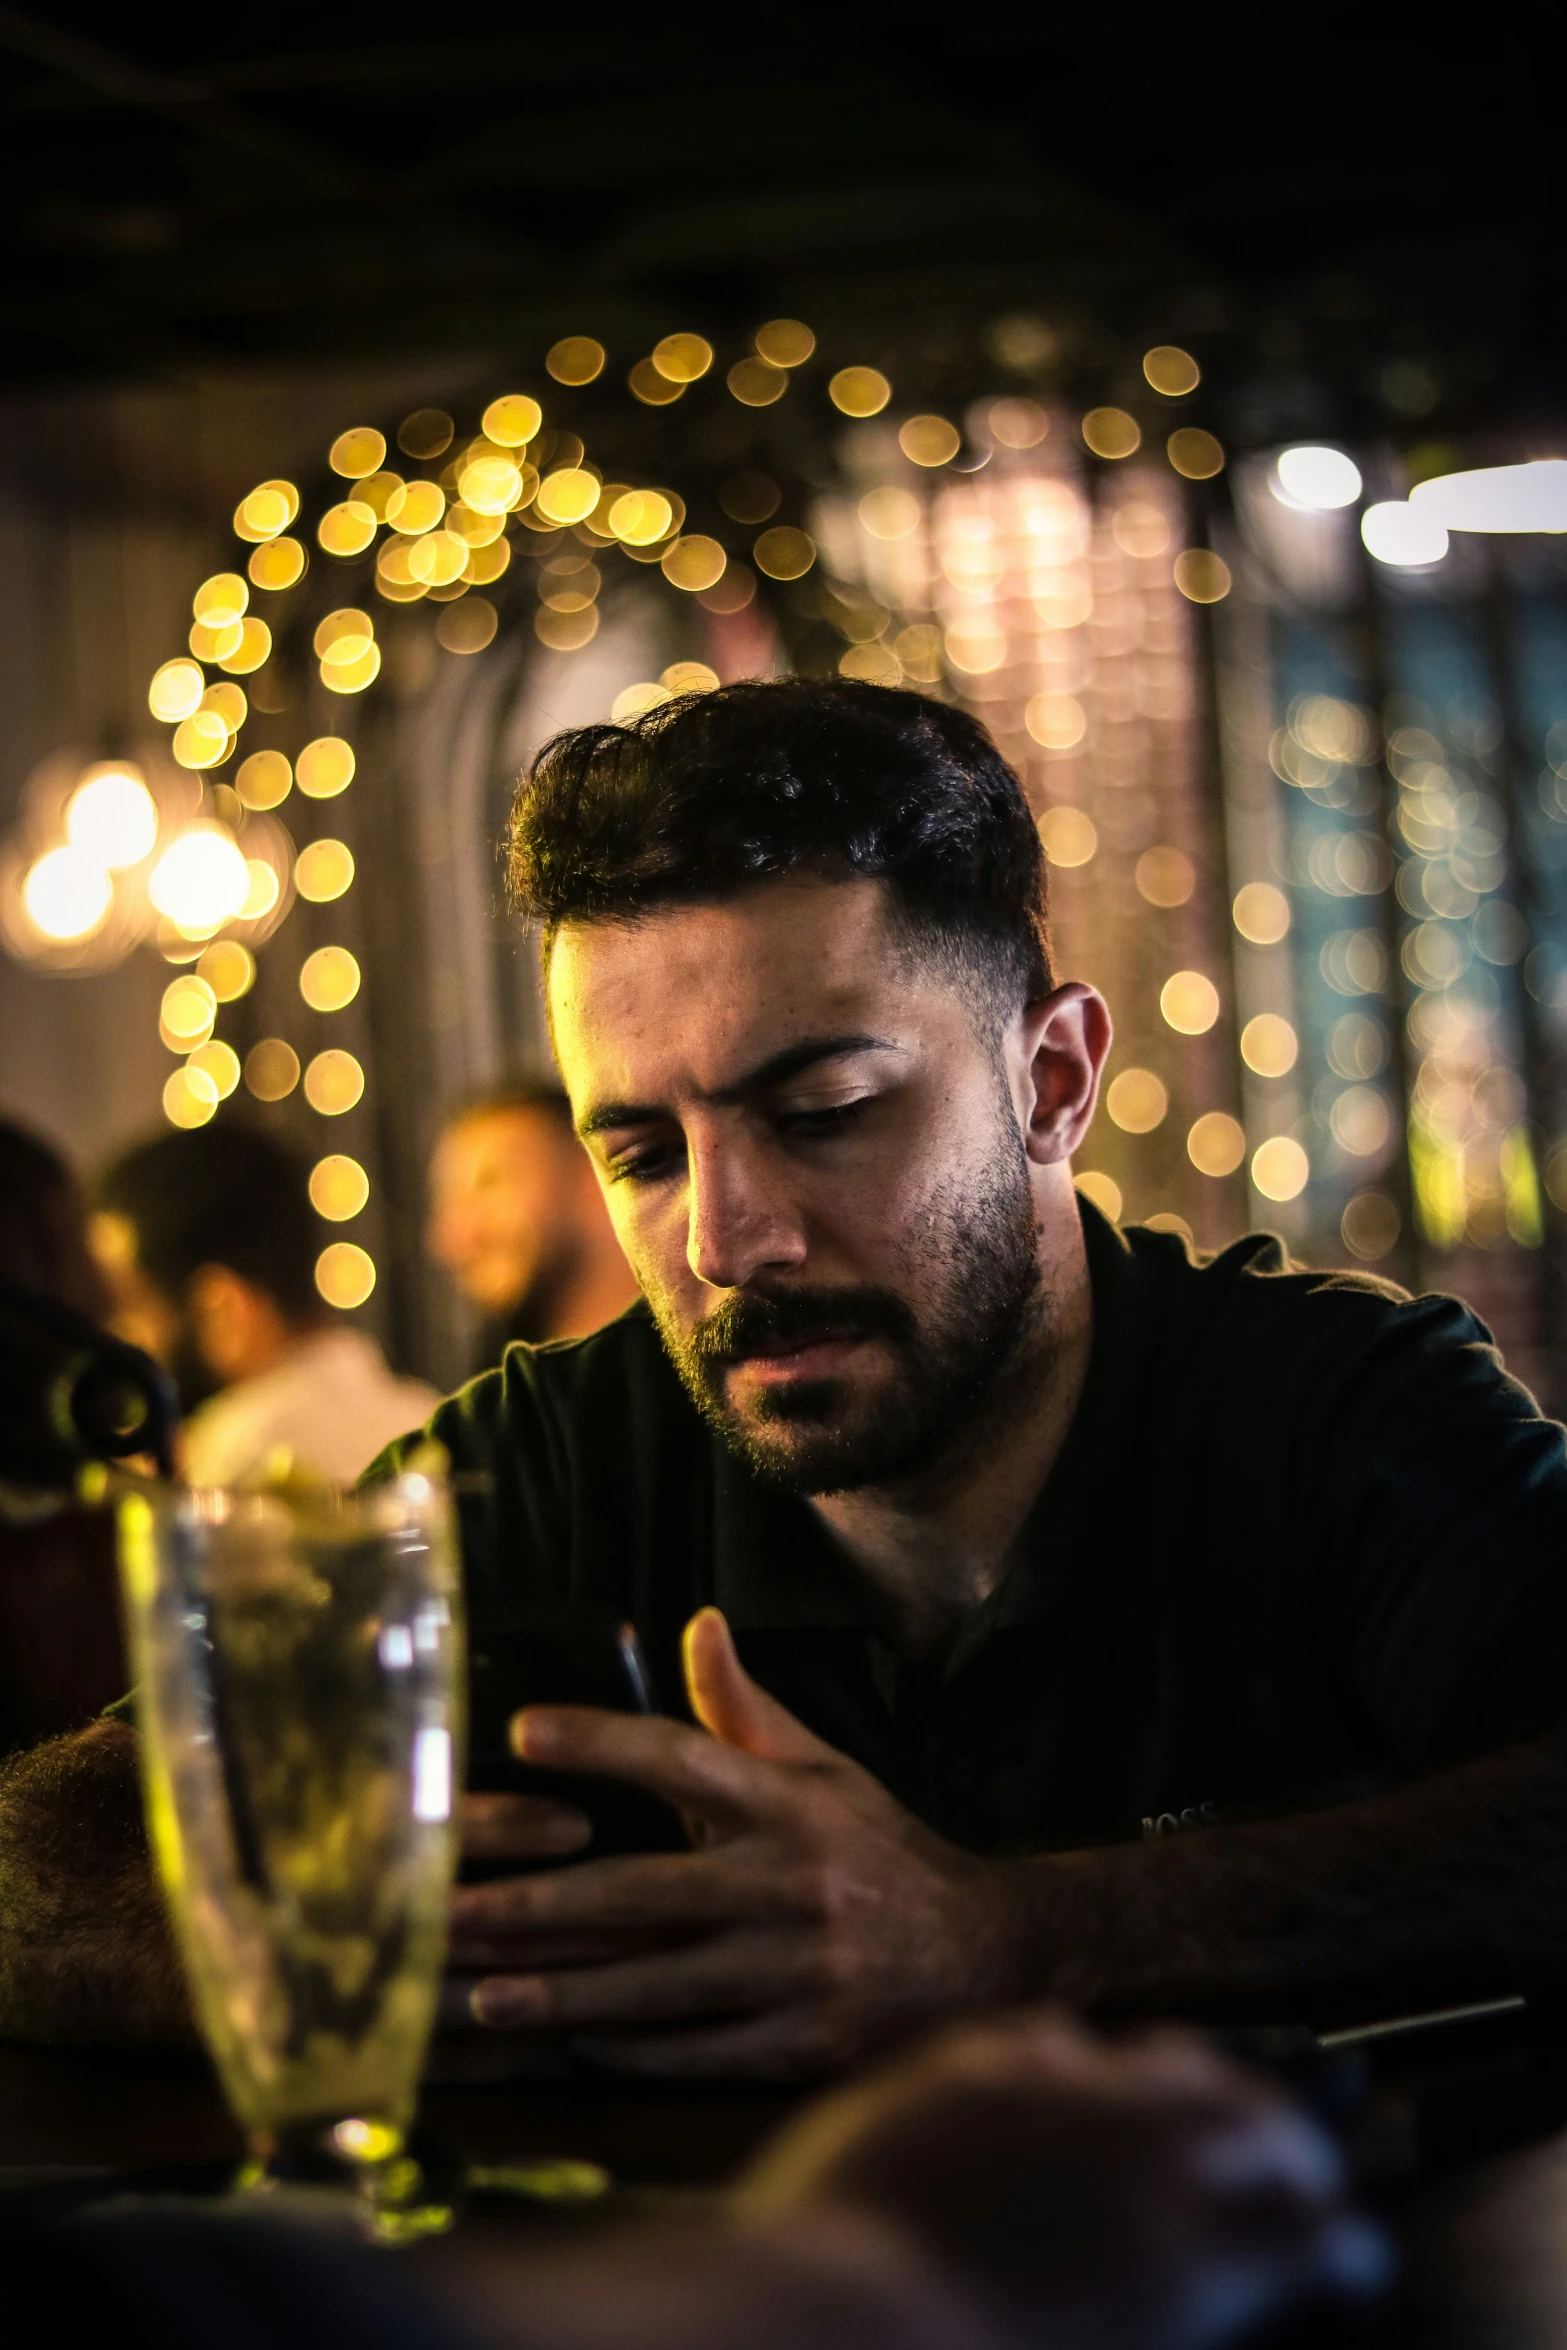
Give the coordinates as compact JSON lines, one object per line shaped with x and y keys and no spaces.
{"x":1063,"y":1042}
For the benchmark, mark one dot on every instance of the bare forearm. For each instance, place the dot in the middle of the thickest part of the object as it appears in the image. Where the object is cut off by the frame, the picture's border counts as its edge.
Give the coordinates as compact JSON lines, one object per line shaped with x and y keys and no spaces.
{"x":1459,"y":1880}
{"x":85,"y":1952}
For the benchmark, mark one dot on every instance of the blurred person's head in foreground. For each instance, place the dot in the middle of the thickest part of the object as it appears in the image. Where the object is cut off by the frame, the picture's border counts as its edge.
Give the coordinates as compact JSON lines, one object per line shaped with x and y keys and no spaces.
{"x":801,"y":994}
{"x":210,"y":1243}
{"x":517,"y":1219}
{"x":43,"y":1225}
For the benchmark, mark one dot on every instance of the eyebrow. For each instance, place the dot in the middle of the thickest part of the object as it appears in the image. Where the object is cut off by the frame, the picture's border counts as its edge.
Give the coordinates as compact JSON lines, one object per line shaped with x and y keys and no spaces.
{"x":808,"y":1054}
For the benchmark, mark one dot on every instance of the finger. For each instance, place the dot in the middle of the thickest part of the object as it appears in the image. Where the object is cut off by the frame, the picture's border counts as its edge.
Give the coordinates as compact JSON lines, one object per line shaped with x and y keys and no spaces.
{"x":734,"y":1974}
{"x":729,"y":1704}
{"x":686,"y":1767}
{"x":659,"y":1893}
{"x":521,"y":1827}
{"x":785,"y":2046}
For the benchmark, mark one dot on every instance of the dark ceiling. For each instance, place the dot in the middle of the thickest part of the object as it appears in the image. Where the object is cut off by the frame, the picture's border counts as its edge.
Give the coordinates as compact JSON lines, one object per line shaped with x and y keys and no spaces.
{"x":1346,"y":219}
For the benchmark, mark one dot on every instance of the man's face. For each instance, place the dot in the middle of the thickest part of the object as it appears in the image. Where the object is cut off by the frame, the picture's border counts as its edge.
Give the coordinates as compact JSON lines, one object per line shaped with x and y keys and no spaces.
{"x":495,"y":1198}
{"x":812,"y":1150}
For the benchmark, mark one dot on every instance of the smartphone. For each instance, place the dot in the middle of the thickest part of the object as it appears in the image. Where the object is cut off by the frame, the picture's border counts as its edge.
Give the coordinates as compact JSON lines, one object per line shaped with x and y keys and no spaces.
{"x":564,"y":1659}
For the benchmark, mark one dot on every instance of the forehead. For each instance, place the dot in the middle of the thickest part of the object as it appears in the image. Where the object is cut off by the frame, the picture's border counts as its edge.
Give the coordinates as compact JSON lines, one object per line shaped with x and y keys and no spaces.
{"x":716,"y":987}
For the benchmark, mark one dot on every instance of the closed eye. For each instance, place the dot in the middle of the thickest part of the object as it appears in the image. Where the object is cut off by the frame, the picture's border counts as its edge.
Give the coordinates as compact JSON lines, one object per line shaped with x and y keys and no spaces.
{"x":831,"y":1118}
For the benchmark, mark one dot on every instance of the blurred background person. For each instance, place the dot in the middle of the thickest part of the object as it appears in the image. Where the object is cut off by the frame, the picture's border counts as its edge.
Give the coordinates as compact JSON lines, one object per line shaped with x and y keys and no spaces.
{"x":517,"y":1218}
{"x":209,"y":1244}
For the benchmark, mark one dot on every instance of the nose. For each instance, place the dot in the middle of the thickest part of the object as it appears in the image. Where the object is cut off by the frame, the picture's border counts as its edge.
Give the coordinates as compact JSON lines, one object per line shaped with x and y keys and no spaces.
{"x":741,"y":1221}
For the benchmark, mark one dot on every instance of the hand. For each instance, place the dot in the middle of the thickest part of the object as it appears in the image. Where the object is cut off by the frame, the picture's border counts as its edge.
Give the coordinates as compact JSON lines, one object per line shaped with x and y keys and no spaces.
{"x":816,"y":1922}
{"x":1142,"y":2190}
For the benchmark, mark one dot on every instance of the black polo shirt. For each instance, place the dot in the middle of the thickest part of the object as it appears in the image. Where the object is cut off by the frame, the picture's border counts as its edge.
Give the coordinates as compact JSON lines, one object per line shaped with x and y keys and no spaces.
{"x":1305,"y":1538}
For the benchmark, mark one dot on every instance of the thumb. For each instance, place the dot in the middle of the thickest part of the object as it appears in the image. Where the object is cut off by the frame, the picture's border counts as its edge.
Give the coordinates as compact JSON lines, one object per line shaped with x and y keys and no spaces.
{"x":728,"y":1702}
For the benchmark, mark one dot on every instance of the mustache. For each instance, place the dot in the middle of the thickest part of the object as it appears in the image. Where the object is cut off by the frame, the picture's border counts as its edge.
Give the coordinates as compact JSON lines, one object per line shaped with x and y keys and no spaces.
{"x":750,"y":1321}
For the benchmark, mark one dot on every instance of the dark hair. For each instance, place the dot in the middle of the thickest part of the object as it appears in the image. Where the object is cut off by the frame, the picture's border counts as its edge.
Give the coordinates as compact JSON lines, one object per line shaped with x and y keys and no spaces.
{"x":43,"y":1225}
{"x":711,"y":792}
{"x":220,"y":1195}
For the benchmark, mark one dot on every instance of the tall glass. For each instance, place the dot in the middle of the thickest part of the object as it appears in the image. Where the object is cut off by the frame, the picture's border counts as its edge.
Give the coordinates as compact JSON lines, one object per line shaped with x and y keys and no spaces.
{"x":299,"y":1664}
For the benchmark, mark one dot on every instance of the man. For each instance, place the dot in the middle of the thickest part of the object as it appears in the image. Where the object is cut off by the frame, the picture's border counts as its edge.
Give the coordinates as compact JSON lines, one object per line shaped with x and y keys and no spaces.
{"x":991,"y":1542}
{"x":209,"y":1242}
{"x":516,"y":1216}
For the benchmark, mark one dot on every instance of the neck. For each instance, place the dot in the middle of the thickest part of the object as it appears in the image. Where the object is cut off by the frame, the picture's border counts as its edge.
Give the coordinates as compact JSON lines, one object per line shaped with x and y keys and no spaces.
{"x":932,"y":1548}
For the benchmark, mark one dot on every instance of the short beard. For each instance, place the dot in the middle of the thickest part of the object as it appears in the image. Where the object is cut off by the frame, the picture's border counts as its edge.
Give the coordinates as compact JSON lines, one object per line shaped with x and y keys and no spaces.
{"x":982,"y":1308}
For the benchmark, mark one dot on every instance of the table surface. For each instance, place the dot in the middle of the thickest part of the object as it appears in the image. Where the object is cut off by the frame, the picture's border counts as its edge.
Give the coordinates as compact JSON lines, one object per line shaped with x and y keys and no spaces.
{"x":116,"y":2110}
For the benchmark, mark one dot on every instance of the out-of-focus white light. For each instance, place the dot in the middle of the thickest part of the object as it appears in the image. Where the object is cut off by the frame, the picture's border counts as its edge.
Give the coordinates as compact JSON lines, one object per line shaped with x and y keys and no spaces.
{"x":1316,"y":479}
{"x":1498,"y":497}
{"x":201,"y":880}
{"x":111,"y":817}
{"x":67,"y":894}
{"x":1403,"y":534}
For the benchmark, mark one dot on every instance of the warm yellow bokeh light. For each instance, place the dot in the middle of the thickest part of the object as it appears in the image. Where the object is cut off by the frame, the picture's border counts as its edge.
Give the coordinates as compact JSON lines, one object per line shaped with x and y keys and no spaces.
{"x":439,"y":559}
{"x":755,"y":384}
{"x":1165,"y":877}
{"x":1056,"y":721}
{"x":277,"y":566}
{"x":1137,"y":1101}
{"x":1195,"y":453}
{"x":682,"y":359}
{"x":112,"y":817}
{"x":1171,"y":370}
{"x":1280,"y":1168}
{"x":345,"y":1274}
{"x":513,"y":420}
{"x":323,"y":871}
{"x":348,"y":528}
{"x":469,"y":626}
{"x":344,"y":635}
{"x":377,"y":492}
{"x":66,"y":895}
{"x":334,"y":1082}
{"x":1216,"y":1144}
{"x":263,"y":892}
{"x":344,"y":675}
{"x":221,"y":600}
{"x":1111,"y":432}
{"x":1190,"y":1002}
{"x":254,"y":647}
{"x":264,"y":780}
{"x":784,"y":553}
{"x":426,"y":433}
{"x":1103,"y":1190}
{"x":784,"y":342}
{"x":324,"y":767}
{"x":929,"y":440}
{"x":492,"y":486}
{"x":694,"y":563}
{"x":416,"y":507}
{"x":215,"y":644}
{"x":1370,"y":1225}
{"x":228,"y":969}
{"x":270,"y":508}
{"x":1141,"y":529}
{"x":689,"y":677}
{"x":1262,"y":913}
{"x":228,"y":703}
{"x":1201,"y":576}
{"x":633,"y":700}
{"x":271,"y":1069}
{"x":339,"y":1188}
{"x":329,"y":979}
{"x":568,"y":495}
{"x":357,"y":452}
{"x":201,"y":880}
{"x":859,"y":391}
{"x":1269,"y":1045}
{"x":189,"y":1007}
{"x":890,"y":514}
{"x":651,"y":388}
{"x":189,"y":1098}
{"x":641,"y":518}
{"x":218,"y":1063}
{"x":1069,"y":836}
{"x":176,"y":690}
{"x":575,"y":359}
{"x":1017,"y":424}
